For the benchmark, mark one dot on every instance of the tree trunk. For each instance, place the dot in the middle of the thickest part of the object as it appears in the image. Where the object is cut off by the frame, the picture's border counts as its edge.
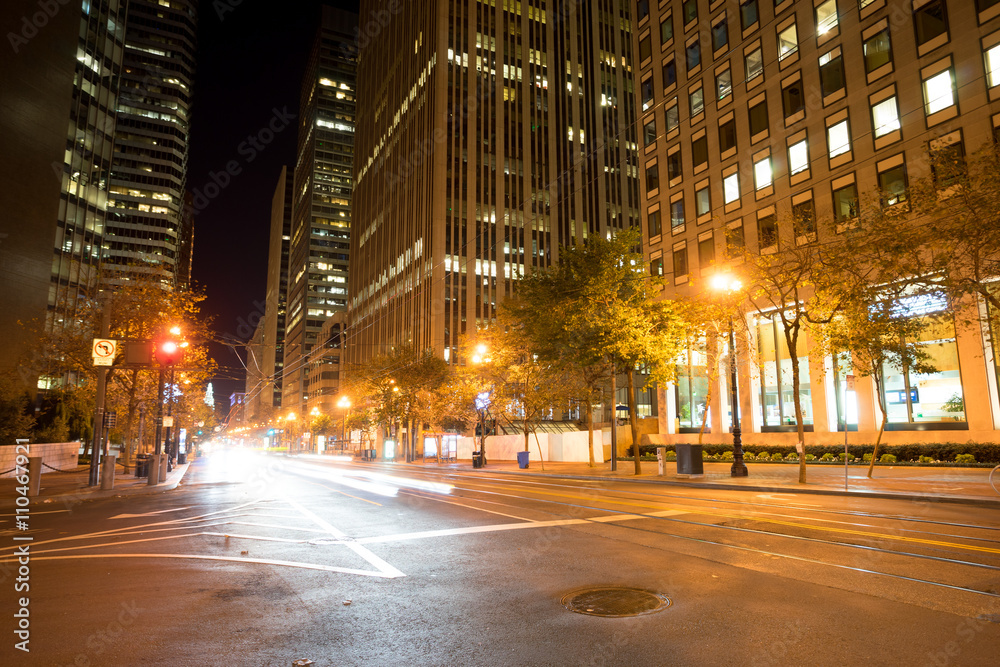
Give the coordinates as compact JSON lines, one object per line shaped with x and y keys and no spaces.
{"x":541,"y":459}
{"x":590,"y":430}
{"x":881,"y":428}
{"x":632,"y":418}
{"x":800,"y":428}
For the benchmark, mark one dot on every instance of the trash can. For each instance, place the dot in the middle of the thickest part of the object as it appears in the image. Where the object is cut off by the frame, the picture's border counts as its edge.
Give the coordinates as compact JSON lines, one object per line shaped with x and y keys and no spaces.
{"x":142,"y":465}
{"x":522,"y":459}
{"x":477,"y":459}
{"x":182,"y":458}
{"x":689,"y":460}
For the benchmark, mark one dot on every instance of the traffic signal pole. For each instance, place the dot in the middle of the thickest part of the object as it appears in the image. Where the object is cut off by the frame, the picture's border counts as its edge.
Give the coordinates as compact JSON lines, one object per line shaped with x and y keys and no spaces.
{"x":102,"y":379}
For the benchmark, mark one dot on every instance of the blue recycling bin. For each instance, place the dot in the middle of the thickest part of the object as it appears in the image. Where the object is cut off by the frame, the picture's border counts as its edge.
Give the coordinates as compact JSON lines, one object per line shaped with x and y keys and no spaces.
{"x":522,"y":459}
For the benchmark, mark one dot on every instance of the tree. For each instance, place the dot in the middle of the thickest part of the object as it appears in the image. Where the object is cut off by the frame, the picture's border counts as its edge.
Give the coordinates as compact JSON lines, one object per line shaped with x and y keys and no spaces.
{"x":15,"y":421}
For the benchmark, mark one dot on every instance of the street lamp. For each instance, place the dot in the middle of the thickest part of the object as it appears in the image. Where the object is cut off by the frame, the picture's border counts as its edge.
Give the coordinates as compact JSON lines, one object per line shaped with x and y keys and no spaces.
{"x":312,"y":427}
{"x":345,"y":404}
{"x":726,"y":283}
{"x":482,"y":404}
{"x":288,"y":418}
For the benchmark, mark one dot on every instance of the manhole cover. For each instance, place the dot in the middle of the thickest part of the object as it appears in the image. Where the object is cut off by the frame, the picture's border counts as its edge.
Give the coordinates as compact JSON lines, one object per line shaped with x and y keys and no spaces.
{"x":615,"y":602}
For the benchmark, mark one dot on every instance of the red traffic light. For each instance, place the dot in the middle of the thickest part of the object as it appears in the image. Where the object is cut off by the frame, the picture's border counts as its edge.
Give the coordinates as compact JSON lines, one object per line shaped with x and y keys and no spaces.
{"x":168,"y":353}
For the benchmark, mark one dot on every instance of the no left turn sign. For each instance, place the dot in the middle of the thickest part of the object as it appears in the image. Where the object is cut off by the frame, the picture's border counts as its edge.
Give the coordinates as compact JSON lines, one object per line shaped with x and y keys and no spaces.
{"x":104,"y":351}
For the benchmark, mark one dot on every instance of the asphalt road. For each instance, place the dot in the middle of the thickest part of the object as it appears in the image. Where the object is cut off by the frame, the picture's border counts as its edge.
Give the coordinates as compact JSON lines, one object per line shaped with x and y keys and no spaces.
{"x":265,"y":561}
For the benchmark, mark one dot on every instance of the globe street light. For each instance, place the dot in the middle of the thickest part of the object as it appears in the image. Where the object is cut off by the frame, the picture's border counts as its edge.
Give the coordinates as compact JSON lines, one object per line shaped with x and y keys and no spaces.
{"x":344,"y":404}
{"x":726,"y":283}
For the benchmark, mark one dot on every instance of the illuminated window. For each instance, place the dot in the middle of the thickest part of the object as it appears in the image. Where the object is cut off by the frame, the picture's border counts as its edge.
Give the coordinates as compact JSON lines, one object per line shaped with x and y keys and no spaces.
{"x":731,"y":188}
{"x":877,"y":51}
{"x":754,"y":64}
{"x":838,"y":139}
{"x":885,"y":117}
{"x":762,"y":173}
{"x":993,"y":65}
{"x":787,"y":42}
{"x":826,"y":17}
{"x":939,"y":92}
{"x":798,"y":157}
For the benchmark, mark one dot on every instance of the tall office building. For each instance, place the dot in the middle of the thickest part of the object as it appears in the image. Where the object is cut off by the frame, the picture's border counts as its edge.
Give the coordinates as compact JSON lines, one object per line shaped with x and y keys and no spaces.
{"x":492,"y":134}
{"x":757,"y":113}
{"x":150,"y":231}
{"x":321,"y":199}
{"x":60,"y":82}
{"x":273,"y":339}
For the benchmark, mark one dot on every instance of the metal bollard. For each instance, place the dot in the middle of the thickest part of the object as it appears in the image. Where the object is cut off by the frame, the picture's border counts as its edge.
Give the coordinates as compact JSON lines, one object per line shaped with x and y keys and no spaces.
{"x":34,"y":475}
{"x":163,"y":467}
{"x":661,"y":462}
{"x":154,"y":470}
{"x":108,"y":472}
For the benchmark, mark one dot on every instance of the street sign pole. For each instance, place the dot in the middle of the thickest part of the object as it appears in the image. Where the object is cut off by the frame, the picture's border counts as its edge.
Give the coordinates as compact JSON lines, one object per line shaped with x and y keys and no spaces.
{"x":848,"y":387}
{"x":102,"y":378}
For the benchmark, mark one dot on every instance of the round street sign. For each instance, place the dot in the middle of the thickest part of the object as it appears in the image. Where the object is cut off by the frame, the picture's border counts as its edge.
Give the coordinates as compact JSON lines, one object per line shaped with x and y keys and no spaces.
{"x":104,"y":351}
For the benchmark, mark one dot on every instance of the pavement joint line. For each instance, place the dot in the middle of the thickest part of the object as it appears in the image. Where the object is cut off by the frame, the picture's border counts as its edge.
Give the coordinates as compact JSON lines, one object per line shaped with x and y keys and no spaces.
{"x":384,"y":568}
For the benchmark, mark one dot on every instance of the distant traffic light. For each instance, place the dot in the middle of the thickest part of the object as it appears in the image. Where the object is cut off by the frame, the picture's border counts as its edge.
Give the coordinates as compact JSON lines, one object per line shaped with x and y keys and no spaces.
{"x":168,"y":353}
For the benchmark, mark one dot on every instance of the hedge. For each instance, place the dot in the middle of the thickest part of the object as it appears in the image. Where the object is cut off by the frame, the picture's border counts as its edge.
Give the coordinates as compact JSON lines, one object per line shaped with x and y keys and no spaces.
{"x":945,"y":452}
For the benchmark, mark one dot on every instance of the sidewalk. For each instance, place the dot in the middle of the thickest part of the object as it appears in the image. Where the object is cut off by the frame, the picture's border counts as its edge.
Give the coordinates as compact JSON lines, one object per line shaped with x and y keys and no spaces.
{"x":68,"y":488}
{"x":920,"y":483}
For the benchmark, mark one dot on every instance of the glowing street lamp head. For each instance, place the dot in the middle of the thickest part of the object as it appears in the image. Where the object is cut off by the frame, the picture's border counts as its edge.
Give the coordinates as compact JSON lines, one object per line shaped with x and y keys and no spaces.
{"x":314,"y":412}
{"x":344,"y":402}
{"x":175,"y":330}
{"x":725,"y":282}
{"x":290,"y":417}
{"x":481,"y":350}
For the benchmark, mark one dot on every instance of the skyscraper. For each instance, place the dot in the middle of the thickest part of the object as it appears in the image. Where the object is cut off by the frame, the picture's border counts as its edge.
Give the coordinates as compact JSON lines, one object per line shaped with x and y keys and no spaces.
{"x":321,"y":199}
{"x":492,"y":134}
{"x":273,"y":350}
{"x":150,"y":231}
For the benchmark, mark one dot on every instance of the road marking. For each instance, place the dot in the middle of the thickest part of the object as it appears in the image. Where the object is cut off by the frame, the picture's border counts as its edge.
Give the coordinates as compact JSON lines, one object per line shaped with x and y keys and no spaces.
{"x":385,"y":570}
{"x":330,"y":488}
{"x":473,"y":507}
{"x":133,"y":516}
{"x":231,"y":559}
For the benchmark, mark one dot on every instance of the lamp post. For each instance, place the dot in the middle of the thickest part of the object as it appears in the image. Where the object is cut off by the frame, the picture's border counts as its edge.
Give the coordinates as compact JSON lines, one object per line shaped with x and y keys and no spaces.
{"x":314,"y":413}
{"x":482,"y":403}
{"x":730,"y":285}
{"x":345,"y":404}
{"x":290,"y":417}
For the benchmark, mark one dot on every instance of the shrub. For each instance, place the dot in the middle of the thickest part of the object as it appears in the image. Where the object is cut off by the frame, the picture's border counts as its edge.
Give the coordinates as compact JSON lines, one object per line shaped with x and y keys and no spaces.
{"x":726,"y":456}
{"x":670,"y":454}
{"x":828,"y":457}
{"x":763,"y":456}
{"x":777,"y":457}
{"x":810,"y":457}
{"x":965,"y":458}
{"x":867,"y":457}
{"x":794,"y":456}
{"x":886,"y":458}
{"x":850,"y":457}
{"x":930,"y":459}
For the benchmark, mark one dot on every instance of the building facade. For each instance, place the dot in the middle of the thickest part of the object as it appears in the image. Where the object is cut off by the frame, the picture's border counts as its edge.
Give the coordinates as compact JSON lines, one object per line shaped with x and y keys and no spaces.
{"x":273,"y":339}
{"x":321,"y":200}
{"x":493,"y":134}
{"x":753,"y":112}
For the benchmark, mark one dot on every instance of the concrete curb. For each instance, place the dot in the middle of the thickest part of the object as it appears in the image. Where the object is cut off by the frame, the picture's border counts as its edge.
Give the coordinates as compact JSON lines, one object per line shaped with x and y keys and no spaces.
{"x":96,"y":493}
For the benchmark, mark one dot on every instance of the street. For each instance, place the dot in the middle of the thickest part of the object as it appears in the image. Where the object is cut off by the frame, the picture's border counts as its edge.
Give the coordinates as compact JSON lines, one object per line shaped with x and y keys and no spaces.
{"x":259,"y":560}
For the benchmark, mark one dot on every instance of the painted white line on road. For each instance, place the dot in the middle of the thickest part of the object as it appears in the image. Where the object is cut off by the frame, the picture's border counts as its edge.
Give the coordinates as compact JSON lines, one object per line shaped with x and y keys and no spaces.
{"x":231,"y":559}
{"x":384,"y":568}
{"x":134,"y":516}
{"x":473,"y":507}
{"x":446,"y":532}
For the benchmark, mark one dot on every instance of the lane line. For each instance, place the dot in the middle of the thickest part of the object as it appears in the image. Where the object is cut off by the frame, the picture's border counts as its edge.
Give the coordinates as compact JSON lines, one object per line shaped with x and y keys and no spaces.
{"x":473,"y":507}
{"x":330,"y":488}
{"x":384,"y":568}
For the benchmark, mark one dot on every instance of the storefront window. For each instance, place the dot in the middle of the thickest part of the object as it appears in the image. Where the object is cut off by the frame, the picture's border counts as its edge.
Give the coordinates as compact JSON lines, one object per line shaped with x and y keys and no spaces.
{"x":847,"y":401}
{"x":777,"y":398}
{"x":692,"y":390}
{"x":912,"y":398}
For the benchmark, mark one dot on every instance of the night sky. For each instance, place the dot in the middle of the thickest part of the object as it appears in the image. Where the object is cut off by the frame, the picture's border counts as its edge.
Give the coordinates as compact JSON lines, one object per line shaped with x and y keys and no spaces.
{"x":251,"y":57}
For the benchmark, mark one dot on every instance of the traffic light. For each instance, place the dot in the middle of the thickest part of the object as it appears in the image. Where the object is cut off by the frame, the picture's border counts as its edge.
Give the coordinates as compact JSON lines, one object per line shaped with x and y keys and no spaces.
{"x":168,"y":353}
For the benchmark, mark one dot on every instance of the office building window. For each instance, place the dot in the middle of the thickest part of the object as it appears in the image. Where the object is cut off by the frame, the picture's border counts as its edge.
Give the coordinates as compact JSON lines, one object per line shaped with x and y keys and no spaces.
{"x":649,"y":132}
{"x":669,"y":73}
{"x":758,"y":118}
{"x":767,"y":231}
{"x":983,"y":5}
{"x":654,"y":224}
{"x":948,"y":165}
{"x":777,"y":397}
{"x":674,"y":165}
{"x":642,"y":10}
{"x":792,"y":99}
{"x":939,"y":92}
{"x":748,"y":13}
{"x":993,"y":65}
{"x":693,"y":55}
{"x":652,"y":178}
{"x":692,"y":390}
{"x":838,"y":139}
{"x":720,"y":35}
{"x":724,"y":83}
{"x":702,"y":202}
{"x":885,"y":117}
{"x":676,"y":214}
{"x":762,"y":173}
{"x":647,"y":93}
{"x":788,"y":42}
{"x":804,"y":218}
{"x":892,"y":184}
{"x":831,"y":72}
{"x":826,"y":17}
{"x":754,"y":64}
{"x":798,"y":157}
{"x":656,"y":267}
{"x":697,"y":100}
{"x":727,"y":136}
{"x":680,"y":262}
{"x":706,"y":252}
{"x":690,"y":11}
{"x":666,"y":29}
{"x":645,"y":48}
{"x":731,"y":188}
{"x":877,"y":50}
{"x":845,"y":203}
{"x":735,"y":241}
{"x":930,"y":21}
{"x":673,"y":117}
{"x":699,"y":151}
